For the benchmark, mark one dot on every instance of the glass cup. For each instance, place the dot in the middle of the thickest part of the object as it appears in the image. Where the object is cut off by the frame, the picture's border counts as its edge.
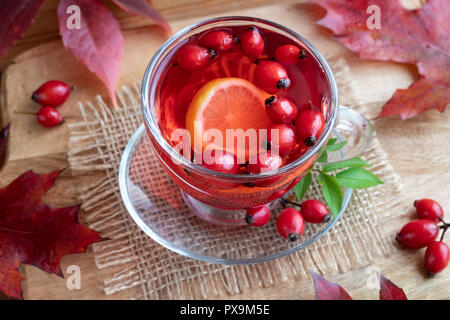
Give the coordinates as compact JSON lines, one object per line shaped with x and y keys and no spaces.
{"x":220,"y":197}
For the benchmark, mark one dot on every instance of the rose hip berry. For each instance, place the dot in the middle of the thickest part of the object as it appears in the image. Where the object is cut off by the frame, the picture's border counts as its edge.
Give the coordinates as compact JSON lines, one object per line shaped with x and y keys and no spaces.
{"x":309,"y":125}
{"x":192,"y":57}
{"x":223,"y":161}
{"x":49,"y":117}
{"x":287,"y":54}
{"x":282,"y":139}
{"x":290,"y":224}
{"x":314,"y":211}
{"x":264,"y":162}
{"x":418,"y":233}
{"x":218,"y":40}
{"x":429,"y":209}
{"x":281,"y":109}
{"x":52,"y":93}
{"x":437,"y":257}
{"x":271,"y":76}
{"x":252,"y":42}
{"x":257,"y":216}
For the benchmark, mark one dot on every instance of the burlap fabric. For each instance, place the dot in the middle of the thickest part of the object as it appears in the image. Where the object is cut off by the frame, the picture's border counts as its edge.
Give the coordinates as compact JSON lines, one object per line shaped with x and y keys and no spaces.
{"x":149,"y":271}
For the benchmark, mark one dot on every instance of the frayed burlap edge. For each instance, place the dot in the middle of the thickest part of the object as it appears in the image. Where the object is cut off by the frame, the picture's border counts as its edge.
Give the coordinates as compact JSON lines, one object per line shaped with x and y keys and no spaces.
{"x":354,"y":242}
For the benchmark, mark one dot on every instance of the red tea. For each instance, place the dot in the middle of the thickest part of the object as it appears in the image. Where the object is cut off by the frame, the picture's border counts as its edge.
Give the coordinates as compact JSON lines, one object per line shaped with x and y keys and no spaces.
{"x":230,"y":63}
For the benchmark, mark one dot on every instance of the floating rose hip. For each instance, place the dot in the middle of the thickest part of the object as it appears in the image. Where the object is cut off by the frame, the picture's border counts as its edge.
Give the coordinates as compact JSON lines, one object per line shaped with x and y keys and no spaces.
{"x":221,"y":161}
{"x":287,"y":54}
{"x":286,"y":140}
{"x":418,"y":233}
{"x":309,"y":125}
{"x":437,"y":257}
{"x":192,"y":57}
{"x":49,"y":117}
{"x":314,"y":211}
{"x":281,"y":109}
{"x":265,"y":161}
{"x":429,"y":209}
{"x":252,"y":42}
{"x":290,"y":224}
{"x":257,"y":216}
{"x":52,"y":93}
{"x":218,"y":40}
{"x":271,"y":76}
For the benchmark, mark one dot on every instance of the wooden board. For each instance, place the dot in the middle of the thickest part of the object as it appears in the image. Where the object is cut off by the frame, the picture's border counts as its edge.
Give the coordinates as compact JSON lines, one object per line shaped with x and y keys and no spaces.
{"x":417,"y":149}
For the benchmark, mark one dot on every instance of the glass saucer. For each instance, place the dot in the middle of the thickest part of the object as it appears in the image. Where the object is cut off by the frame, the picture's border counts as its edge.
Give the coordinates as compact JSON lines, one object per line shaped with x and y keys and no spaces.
{"x":156,"y":205}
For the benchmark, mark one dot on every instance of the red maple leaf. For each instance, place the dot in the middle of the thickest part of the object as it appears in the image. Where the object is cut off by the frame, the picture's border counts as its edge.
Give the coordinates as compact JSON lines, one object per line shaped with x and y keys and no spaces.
{"x":389,"y":291}
{"x":326,"y":290}
{"x":34,"y":233}
{"x":420,"y":37}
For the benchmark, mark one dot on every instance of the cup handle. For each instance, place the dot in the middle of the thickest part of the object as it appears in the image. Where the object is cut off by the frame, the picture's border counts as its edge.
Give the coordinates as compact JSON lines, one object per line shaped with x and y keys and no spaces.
{"x":355,"y":129}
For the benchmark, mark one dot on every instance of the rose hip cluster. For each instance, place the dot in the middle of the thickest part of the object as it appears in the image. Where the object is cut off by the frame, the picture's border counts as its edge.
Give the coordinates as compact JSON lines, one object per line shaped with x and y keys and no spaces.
{"x":422,"y":233}
{"x":297,"y":130}
{"x":290,"y":222}
{"x":50,"y":95}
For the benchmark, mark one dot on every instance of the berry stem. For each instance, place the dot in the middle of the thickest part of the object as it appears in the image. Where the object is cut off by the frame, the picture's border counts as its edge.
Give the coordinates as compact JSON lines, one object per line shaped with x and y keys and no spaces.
{"x":443,"y":234}
{"x":284,"y":202}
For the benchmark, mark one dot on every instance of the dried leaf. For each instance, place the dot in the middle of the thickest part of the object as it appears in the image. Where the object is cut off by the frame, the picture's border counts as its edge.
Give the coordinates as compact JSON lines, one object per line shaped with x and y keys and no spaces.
{"x":326,"y":290}
{"x":98,"y":42}
{"x":34,"y":233}
{"x":16,"y":17}
{"x":389,"y":291}
{"x":3,"y":142}
{"x":418,"y":36}
{"x":144,"y":9}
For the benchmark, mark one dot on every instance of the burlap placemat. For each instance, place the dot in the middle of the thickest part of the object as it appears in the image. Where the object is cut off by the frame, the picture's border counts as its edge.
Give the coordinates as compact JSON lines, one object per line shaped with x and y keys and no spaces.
{"x":149,"y":271}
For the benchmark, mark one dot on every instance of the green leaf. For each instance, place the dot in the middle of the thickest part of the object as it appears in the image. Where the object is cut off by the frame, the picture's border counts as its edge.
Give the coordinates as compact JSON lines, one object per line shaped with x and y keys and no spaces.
{"x":357,"y":178}
{"x":335,"y":147}
{"x":323,"y":157}
{"x":332,"y":141}
{"x":332,"y":192}
{"x":303,"y":185}
{"x":350,"y":163}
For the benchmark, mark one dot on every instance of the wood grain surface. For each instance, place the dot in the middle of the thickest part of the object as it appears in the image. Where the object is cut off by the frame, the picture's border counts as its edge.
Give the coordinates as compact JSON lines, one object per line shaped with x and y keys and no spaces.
{"x":417,"y":148}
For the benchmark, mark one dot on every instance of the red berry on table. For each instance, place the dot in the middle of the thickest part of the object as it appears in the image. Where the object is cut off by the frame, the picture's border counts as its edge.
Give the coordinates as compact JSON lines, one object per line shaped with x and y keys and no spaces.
{"x":257,"y":216}
{"x":429,"y":209}
{"x":309,"y":125}
{"x":218,"y":40}
{"x":437,"y":257}
{"x":192,"y":57}
{"x":52,"y":93}
{"x":252,"y":42}
{"x":271,"y":76}
{"x":290,"y":224}
{"x":221,"y":161}
{"x":49,"y":117}
{"x":281,"y":109}
{"x":314,"y":211}
{"x":282,"y":139}
{"x":418,"y":233}
{"x":287,"y":54}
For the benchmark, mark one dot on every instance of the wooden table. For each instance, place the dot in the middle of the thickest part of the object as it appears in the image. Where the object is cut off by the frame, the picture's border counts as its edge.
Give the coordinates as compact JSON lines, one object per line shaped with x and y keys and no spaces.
{"x":418,"y":150}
